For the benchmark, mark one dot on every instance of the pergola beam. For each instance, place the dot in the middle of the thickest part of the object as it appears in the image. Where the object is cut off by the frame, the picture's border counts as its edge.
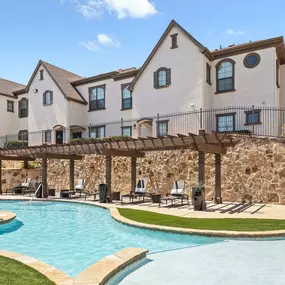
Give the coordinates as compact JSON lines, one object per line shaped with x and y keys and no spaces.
{"x":17,"y":158}
{"x":125,"y":153}
{"x":59,"y":156}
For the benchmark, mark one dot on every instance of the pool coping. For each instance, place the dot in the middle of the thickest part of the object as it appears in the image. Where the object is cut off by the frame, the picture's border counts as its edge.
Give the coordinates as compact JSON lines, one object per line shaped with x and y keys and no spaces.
{"x":52,"y":273}
{"x":115,"y":214}
{"x":97,"y":274}
{"x":6,"y":217}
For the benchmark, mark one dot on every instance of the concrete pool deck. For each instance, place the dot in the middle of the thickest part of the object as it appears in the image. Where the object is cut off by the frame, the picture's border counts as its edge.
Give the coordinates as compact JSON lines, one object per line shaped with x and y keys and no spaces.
{"x":225,"y":210}
{"x":233,"y":262}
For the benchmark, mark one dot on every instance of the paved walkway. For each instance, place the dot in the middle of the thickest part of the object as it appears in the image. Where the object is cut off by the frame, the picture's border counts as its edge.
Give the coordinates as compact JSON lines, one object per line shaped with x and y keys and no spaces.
{"x":229,"y":263}
{"x":225,"y":210}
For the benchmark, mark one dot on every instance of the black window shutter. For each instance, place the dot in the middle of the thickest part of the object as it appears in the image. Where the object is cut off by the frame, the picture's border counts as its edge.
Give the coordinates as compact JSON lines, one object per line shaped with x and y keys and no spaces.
{"x":27,"y":107}
{"x":51,"y":97}
{"x":44,"y":98}
{"x":155,"y":83}
{"x":168,"y":76}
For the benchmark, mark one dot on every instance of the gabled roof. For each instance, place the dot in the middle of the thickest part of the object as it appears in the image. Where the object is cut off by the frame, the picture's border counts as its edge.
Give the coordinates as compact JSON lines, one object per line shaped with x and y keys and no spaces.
{"x":8,"y":87}
{"x":172,"y":24}
{"x":277,"y":42}
{"x":116,"y":75}
{"x":62,"y":78}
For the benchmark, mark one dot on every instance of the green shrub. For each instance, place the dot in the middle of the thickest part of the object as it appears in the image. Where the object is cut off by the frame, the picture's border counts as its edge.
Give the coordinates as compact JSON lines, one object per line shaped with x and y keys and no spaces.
{"x":16,"y":144}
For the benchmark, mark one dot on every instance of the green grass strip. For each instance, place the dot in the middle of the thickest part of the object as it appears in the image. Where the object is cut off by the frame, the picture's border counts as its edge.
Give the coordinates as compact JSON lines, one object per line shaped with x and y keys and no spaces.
{"x":13,"y":272}
{"x":242,"y":225}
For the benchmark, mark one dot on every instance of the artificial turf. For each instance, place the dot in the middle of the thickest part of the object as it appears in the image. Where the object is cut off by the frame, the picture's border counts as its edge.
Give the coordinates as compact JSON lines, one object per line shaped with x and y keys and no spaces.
{"x":13,"y":272}
{"x":225,"y":224}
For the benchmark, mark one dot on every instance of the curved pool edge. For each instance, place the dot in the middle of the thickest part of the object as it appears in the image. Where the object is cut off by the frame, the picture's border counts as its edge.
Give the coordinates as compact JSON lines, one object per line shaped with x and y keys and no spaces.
{"x":229,"y":234}
{"x":6,"y":217}
{"x":99,"y":273}
{"x":52,"y":273}
{"x":210,"y":233}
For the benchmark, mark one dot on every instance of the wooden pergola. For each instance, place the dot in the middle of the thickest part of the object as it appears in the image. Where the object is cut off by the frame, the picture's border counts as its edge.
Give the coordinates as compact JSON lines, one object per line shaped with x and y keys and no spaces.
{"x":134,"y":148}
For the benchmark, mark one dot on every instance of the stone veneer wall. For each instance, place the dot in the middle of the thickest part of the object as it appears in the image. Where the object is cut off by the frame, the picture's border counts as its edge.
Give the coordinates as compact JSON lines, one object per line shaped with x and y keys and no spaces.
{"x":14,"y":177}
{"x":254,"y":170}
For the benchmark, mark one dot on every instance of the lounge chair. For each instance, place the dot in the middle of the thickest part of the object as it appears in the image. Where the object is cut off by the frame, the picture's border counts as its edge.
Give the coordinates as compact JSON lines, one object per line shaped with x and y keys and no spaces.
{"x":26,"y":185}
{"x":79,"y":188}
{"x":176,"y":193}
{"x":139,"y":192}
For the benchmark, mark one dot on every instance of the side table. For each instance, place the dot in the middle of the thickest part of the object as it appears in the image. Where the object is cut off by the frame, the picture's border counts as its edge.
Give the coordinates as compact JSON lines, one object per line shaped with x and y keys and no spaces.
{"x":155,"y":198}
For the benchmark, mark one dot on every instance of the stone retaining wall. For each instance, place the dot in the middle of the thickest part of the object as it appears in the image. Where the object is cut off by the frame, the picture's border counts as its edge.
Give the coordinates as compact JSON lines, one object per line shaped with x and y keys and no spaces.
{"x":14,"y":177}
{"x":252,"y":171}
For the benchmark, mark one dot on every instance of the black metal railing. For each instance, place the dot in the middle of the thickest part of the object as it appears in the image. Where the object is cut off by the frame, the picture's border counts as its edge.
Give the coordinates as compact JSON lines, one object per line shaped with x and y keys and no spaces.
{"x":253,"y":120}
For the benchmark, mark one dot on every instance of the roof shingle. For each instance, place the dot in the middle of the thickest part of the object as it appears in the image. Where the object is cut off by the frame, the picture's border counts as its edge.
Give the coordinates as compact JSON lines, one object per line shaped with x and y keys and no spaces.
{"x":8,"y":87}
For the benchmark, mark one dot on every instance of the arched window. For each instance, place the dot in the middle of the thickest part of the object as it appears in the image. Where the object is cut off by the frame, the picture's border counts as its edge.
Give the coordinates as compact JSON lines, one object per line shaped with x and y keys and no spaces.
{"x":126,"y":97}
{"x":23,"y":108}
{"x":97,"y":98}
{"x":48,"y":97}
{"x":162,"y":77}
{"x":225,"y":75}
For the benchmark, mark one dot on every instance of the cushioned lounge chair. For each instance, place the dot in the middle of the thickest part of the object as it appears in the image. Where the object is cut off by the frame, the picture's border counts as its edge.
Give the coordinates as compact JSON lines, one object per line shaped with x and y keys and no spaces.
{"x":139,"y":192}
{"x":176,"y":193}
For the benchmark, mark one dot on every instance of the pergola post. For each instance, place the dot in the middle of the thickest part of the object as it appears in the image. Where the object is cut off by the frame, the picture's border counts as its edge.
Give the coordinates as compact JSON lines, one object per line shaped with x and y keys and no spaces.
{"x":71,"y":174}
{"x":134,"y":173}
{"x":218,"y":192}
{"x":201,"y":163}
{"x":109,"y":174}
{"x":44,"y":176}
{"x":26,"y":164}
{"x":0,"y":176}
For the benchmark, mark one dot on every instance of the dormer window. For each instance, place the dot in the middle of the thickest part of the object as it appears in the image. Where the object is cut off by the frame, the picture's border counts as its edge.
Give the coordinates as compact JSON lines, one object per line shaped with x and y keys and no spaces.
{"x":174,"y":41}
{"x":48,"y":97}
{"x":162,"y":77}
{"x":41,"y":74}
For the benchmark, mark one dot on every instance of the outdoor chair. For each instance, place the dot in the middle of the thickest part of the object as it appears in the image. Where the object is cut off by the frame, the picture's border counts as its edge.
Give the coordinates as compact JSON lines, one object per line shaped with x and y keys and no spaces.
{"x":139,"y":192}
{"x":26,"y":185}
{"x":176,"y":193}
{"x":79,"y":188}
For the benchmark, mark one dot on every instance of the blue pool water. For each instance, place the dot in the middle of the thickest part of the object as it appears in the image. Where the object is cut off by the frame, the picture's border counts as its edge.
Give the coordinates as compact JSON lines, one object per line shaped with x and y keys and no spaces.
{"x":73,"y":236}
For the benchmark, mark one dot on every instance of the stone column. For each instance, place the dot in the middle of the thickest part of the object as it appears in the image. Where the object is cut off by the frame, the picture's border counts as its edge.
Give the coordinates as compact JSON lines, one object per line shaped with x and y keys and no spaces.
{"x":218,"y":191}
{"x":133,"y":173}
{"x":71,"y":174}
{"x":44,"y":176}
{"x":0,"y":177}
{"x":109,"y":174}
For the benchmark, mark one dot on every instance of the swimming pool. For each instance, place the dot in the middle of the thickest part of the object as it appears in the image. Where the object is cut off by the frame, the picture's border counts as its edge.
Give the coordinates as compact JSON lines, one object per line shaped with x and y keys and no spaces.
{"x":73,"y":236}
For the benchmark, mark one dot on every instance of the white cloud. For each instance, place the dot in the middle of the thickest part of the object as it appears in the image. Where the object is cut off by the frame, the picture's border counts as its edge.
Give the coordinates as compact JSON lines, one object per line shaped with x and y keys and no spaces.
{"x":235,"y":33}
{"x":121,"y":8}
{"x":91,"y":45}
{"x":130,"y":8}
{"x":103,"y":40}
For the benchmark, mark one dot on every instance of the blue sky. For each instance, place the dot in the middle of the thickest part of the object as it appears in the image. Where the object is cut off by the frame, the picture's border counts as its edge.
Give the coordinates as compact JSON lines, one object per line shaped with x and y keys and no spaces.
{"x":89,"y":37}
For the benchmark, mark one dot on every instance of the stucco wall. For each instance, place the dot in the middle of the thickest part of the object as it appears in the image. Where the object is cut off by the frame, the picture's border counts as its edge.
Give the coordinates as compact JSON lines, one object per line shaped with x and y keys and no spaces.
{"x":113,"y":105}
{"x":8,"y":120}
{"x":45,"y":117}
{"x":254,"y":86}
{"x":187,"y":79}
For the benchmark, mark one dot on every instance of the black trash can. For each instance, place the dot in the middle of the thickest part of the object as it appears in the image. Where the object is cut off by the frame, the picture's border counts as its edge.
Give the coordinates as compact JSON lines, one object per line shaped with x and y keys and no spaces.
{"x":198,"y":198}
{"x":103,"y":192}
